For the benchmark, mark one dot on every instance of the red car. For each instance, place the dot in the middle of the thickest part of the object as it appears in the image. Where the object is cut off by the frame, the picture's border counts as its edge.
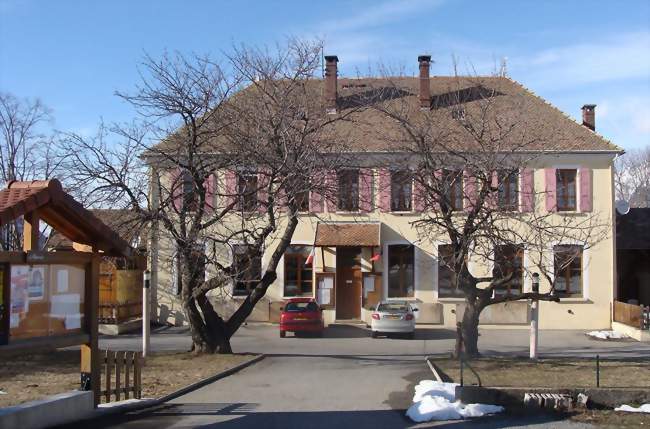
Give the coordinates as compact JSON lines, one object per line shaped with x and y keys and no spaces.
{"x":301,"y":315}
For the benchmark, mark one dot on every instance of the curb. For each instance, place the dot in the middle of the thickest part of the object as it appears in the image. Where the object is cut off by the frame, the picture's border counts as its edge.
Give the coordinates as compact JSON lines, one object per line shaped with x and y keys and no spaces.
{"x":149,"y":403}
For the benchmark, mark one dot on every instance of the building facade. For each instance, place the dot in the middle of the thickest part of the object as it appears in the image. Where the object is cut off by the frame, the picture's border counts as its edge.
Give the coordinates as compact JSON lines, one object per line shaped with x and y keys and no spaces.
{"x":360,"y":247}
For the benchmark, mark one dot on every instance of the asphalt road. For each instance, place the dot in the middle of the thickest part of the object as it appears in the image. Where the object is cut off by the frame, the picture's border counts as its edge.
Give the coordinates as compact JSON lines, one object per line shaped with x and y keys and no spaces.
{"x":311,"y":392}
{"x":345,"y":340}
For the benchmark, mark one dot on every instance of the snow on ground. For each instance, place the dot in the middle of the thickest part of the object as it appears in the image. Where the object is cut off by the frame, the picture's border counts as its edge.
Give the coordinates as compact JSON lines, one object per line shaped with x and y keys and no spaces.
{"x":607,"y":335}
{"x":434,"y":400}
{"x":123,"y":402}
{"x":645,"y":408}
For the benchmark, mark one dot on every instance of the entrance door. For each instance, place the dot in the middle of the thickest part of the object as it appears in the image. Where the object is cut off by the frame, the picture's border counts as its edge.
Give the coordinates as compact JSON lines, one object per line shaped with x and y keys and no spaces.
{"x":348,"y":282}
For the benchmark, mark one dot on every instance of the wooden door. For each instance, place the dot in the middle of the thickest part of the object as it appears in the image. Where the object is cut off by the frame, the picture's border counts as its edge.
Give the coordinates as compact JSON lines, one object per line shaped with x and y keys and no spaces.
{"x":348,"y":283}
{"x":4,"y":304}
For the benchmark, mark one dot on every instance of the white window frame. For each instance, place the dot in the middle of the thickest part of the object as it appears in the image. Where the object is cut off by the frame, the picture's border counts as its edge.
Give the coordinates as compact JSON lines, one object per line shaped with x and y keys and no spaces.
{"x":586,"y":260}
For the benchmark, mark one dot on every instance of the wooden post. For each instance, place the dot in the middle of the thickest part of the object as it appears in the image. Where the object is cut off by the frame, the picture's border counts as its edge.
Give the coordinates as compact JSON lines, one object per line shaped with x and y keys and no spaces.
{"x":110,"y":361}
{"x":119,"y":358}
{"x":127,"y":370}
{"x":31,"y":232}
{"x":90,"y":359}
{"x":5,"y":303}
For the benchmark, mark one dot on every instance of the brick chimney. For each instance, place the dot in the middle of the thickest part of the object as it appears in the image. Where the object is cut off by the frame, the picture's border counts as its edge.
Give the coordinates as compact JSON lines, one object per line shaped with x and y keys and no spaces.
{"x":331,"y":90}
{"x":425,"y":90}
{"x":589,"y":116}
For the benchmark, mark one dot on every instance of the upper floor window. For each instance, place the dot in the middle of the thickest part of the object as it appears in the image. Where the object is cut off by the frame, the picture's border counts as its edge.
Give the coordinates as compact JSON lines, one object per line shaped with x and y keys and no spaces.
{"x":446,"y":274}
{"x":452,"y":189}
{"x":348,"y":198}
{"x":247,"y":191}
{"x":568,"y":269}
{"x":401,"y":272}
{"x":247,"y":264}
{"x":401,"y":191}
{"x":509,"y":260}
{"x":566,"y":189}
{"x":297,"y":274}
{"x":508,"y":183}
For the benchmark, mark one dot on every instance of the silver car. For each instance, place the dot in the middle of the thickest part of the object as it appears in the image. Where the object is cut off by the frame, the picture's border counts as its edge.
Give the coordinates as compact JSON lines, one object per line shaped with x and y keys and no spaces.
{"x":393,"y":317}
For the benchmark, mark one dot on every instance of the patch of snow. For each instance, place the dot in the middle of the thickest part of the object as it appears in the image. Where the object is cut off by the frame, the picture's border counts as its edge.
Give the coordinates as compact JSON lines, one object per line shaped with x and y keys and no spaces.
{"x":645,"y":408}
{"x":2,"y":392}
{"x":437,"y":401}
{"x":607,"y":335}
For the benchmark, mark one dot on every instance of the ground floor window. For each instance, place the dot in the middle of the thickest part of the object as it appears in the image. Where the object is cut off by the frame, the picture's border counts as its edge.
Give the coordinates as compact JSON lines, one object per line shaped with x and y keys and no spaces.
{"x":509,"y":260}
{"x":446,"y":274}
{"x":401,"y":274}
{"x":247,"y":264}
{"x":568,"y":270}
{"x":297,"y":274}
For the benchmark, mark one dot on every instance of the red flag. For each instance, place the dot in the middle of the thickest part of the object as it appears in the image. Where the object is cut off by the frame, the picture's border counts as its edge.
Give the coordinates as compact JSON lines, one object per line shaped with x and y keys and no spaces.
{"x":310,"y":258}
{"x":375,"y":258}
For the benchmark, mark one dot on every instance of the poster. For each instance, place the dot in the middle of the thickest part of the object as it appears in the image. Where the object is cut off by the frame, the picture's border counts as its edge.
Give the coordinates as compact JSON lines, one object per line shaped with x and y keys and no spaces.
{"x":19,"y":293}
{"x":324,"y":296}
{"x":62,"y":281}
{"x":36,"y":282}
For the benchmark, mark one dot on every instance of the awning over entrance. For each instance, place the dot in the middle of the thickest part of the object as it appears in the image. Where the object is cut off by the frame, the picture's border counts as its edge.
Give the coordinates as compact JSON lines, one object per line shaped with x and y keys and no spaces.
{"x":347,"y":234}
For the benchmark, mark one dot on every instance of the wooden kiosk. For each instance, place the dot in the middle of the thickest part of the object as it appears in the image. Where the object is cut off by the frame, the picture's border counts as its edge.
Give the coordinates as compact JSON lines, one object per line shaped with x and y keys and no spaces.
{"x":50,"y":299}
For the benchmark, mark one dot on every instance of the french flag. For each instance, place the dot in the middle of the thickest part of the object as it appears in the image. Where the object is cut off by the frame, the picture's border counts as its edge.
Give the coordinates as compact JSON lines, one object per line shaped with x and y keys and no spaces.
{"x":310,"y":258}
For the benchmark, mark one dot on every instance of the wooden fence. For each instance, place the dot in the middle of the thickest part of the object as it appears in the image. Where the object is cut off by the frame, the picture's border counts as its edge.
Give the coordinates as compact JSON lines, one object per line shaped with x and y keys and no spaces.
{"x":113,"y":313}
{"x":632,"y":315}
{"x":122,"y":375}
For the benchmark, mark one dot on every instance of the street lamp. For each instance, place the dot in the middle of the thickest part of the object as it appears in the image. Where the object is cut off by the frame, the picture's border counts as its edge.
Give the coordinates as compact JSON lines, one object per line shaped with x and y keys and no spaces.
{"x":534,"y":318}
{"x":146,"y":284}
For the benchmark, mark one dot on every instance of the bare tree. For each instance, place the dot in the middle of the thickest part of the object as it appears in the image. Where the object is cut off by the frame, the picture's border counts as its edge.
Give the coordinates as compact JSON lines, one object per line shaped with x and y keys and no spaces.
{"x":231,"y":158}
{"x":471,"y":154}
{"x":27,"y":152}
{"x":632,"y":177}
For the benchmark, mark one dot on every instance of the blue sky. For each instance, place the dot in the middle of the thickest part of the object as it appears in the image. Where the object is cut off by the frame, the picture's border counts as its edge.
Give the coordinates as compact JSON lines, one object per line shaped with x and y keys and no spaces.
{"x":75,"y":54}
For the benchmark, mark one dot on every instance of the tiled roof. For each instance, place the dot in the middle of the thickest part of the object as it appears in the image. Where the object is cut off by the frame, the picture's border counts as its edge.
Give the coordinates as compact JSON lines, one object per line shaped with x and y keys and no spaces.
{"x":534,"y":124}
{"x":61,"y":212}
{"x":347,"y":234}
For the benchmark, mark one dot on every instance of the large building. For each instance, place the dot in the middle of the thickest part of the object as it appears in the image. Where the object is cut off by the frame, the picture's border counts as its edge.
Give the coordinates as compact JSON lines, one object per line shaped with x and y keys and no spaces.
{"x":363,"y":246}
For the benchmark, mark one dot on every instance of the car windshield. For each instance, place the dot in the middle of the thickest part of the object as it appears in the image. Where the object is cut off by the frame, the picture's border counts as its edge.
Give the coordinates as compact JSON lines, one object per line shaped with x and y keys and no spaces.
{"x":295,"y":307}
{"x":394,"y":307}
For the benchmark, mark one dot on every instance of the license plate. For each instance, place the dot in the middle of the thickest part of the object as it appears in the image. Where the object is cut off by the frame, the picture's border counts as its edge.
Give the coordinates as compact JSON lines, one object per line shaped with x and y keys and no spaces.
{"x":393,"y":317}
{"x":299,"y":318}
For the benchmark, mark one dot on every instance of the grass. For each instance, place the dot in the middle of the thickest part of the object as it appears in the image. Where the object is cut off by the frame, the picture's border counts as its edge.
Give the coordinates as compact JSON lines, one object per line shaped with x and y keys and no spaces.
{"x":513,"y":372}
{"x":35,"y":376}
{"x":561,"y":373}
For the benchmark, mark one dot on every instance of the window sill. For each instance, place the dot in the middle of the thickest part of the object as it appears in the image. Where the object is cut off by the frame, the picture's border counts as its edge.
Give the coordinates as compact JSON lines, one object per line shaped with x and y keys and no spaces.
{"x":451,"y":300}
{"x":350,"y":213}
{"x":575,"y":300}
{"x":311,"y":295}
{"x":403,"y":213}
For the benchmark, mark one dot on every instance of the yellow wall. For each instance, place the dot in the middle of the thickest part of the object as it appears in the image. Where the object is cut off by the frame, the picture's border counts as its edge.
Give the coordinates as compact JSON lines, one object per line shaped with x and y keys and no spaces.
{"x":590,"y":312}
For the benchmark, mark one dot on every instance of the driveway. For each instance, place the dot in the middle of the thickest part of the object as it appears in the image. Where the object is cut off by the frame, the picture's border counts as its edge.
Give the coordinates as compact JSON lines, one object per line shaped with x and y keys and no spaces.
{"x":310,"y":392}
{"x":352,"y":340}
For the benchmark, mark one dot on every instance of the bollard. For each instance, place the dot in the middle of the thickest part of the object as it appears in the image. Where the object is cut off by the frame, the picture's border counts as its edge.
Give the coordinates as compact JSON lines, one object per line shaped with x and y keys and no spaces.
{"x":460,"y":357}
{"x":597,"y":370}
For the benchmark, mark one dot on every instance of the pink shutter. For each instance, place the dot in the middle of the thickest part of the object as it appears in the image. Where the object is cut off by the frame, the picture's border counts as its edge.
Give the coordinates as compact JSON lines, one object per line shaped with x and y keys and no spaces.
{"x":437,"y":185}
{"x":331,"y":191}
{"x":263,"y":180}
{"x":384,"y":190}
{"x":469,"y":183}
{"x":231,"y":186}
{"x":551,"y":191}
{"x":176,"y":188}
{"x":586,"y":193}
{"x":209,"y":186}
{"x":419,"y":196}
{"x":365,"y":190}
{"x":527,"y":190}
{"x":316,"y":203}
{"x":493,"y":195}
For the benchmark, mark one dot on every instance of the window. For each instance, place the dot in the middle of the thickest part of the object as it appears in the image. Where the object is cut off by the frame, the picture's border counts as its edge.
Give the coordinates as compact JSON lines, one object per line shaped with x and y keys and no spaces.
{"x":509,"y":259}
{"x":248,"y":269}
{"x":297,"y":275}
{"x":401,"y":187}
{"x":247,"y":191}
{"x":299,"y":307}
{"x":400,"y":271}
{"x":566,"y":189}
{"x":446,"y":274}
{"x":452,"y":189}
{"x":348,"y":181}
{"x":568,"y":270}
{"x":302,"y":199}
{"x":508,"y":190}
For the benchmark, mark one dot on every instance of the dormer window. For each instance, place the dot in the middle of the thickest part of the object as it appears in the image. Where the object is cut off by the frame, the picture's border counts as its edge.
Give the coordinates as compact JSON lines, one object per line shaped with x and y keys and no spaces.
{"x":458,"y":113}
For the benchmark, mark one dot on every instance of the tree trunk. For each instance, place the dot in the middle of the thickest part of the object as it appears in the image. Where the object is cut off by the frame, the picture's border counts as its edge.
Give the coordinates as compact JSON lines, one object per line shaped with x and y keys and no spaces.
{"x":470,"y":329}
